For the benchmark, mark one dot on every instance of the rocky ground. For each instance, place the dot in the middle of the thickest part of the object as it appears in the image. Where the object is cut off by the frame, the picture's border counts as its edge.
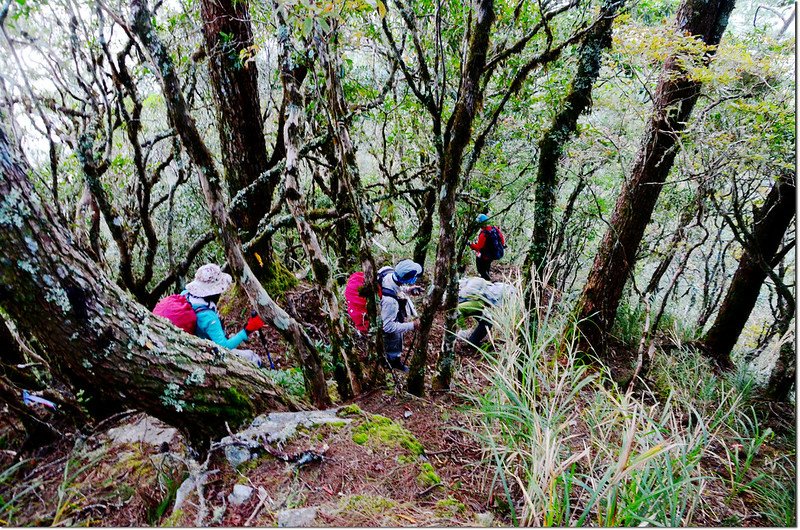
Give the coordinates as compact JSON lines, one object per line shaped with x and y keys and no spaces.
{"x":385,"y":460}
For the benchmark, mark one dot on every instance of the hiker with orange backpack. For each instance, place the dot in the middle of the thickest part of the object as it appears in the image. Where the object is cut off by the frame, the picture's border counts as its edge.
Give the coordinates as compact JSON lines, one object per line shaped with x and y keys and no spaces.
{"x":195,"y":311}
{"x":490,"y":246}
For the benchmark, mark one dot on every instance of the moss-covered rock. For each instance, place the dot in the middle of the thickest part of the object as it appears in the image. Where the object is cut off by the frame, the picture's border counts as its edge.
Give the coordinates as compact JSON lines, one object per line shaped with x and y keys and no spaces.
{"x":350,"y":410}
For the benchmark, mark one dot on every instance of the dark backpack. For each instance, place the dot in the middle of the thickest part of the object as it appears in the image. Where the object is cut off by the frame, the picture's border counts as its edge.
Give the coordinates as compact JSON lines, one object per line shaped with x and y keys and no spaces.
{"x":493,"y":248}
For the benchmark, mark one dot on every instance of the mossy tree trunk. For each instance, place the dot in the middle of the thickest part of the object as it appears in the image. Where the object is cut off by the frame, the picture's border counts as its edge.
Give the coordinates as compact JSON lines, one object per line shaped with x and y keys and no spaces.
{"x":425,"y":231}
{"x":347,"y":368}
{"x":99,"y":338}
{"x":675,"y":97}
{"x":351,"y":179}
{"x":457,"y":135}
{"x":211,"y":184}
{"x":233,"y":74}
{"x":770,"y":223}
{"x":563,"y":127}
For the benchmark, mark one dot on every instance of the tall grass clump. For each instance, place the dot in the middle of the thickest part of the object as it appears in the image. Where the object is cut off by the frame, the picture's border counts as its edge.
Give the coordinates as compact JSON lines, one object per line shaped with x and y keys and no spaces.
{"x":570,"y":448}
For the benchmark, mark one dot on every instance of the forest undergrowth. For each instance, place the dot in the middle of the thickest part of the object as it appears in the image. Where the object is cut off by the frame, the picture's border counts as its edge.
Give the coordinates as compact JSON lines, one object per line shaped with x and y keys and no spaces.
{"x":555,"y":442}
{"x":571,"y":447}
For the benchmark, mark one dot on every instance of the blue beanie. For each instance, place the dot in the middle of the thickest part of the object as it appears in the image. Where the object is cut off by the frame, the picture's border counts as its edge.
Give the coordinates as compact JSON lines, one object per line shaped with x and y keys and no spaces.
{"x":406,"y":272}
{"x":482,"y":219}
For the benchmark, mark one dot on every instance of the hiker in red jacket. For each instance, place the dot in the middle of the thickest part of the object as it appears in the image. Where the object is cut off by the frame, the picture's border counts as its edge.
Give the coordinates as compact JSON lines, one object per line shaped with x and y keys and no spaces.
{"x":490,"y":246}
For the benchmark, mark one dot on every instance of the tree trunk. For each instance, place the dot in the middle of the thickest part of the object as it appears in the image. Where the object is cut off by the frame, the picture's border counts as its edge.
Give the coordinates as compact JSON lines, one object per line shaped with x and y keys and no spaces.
{"x":769,"y":226}
{"x":351,"y":179}
{"x":551,"y":146}
{"x":425,"y":228}
{"x":675,"y":97}
{"x":234,"y":80}
{"x":457,"y":136}
{"x":99,"y":338}
{"x":87,"y":226}
{"x":211,"y":183}
{"x":347,"y":369}
{"x":784,"y":373}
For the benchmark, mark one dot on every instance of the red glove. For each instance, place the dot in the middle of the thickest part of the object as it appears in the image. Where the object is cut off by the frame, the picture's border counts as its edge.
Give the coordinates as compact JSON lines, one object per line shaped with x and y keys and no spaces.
{"x":254,"y":324}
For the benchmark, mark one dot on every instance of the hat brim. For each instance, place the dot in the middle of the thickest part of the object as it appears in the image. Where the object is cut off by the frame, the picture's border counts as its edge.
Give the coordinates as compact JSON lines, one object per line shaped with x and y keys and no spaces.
{"x":203,"y":289}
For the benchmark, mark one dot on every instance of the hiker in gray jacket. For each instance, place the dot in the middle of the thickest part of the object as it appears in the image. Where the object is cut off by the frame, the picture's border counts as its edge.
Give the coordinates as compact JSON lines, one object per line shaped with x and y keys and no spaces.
{"x":397,"y":308}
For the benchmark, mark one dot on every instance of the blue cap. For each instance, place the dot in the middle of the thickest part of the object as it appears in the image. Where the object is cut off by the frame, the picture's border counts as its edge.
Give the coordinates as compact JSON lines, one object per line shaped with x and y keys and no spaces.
{"x":482,"y":218}
{"x":406,"y":272}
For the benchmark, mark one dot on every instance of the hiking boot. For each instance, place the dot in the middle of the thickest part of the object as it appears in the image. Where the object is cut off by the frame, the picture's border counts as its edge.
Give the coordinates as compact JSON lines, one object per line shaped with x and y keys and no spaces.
{"x":397,"y":364}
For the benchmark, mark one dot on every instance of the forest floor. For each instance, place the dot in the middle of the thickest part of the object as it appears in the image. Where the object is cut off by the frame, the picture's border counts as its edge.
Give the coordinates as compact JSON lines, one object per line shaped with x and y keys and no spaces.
{"x":388,"y":459}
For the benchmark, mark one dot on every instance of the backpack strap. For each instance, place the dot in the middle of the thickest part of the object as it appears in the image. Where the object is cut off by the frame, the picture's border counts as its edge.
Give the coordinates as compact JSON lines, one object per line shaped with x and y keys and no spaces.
{"x":384,"y":274}
{"x":391,"y":293}
{"x":385,"y":291}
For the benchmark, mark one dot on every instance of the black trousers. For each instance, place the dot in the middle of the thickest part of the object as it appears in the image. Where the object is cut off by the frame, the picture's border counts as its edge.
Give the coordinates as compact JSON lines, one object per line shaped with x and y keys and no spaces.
{"x":483,"y":266}
{"x":480,"y":332}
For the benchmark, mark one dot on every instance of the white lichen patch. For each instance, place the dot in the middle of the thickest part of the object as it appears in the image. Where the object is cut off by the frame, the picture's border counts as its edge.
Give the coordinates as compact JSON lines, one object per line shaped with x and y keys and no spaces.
{"x":171,"y":397}
{"x":33,"y":246}
{"x":13,"y":209}
{"x":26,"y":266}
{"x":197,"y":377}
{"x":58,"y":296}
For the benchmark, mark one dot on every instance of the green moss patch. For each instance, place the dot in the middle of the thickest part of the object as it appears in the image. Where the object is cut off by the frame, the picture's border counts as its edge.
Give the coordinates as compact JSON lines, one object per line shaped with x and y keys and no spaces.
{"x":382,"y":430}
{"x":368,"y":505}
{"x":278,"y":279}
{"x":228,"y":303}
{"x":450,"y":506}
{"x":175,"y":519}
{"x":427,"y":475}
{"x":350,"y":410}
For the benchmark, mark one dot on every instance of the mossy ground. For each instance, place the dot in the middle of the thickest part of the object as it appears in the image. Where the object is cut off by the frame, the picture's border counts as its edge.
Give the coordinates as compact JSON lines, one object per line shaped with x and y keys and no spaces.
{"x":374,"y":473}
{"x":427,"y":475}
{"x":377,"y":429}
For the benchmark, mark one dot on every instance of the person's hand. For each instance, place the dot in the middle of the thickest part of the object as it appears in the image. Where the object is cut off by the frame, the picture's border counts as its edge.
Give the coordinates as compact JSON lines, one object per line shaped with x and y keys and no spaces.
{"x":254,"y":324}
{"x":415,"y":291}
{"x":416,"y":323}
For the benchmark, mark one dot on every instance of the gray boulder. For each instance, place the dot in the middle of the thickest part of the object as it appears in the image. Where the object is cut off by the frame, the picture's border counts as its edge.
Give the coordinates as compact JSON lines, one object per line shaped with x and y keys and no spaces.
{"x":298,"y":518}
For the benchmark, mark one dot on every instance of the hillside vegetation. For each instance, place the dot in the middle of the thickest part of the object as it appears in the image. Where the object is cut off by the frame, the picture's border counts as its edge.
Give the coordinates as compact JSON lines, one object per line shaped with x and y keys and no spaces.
{"x":397,"y":263}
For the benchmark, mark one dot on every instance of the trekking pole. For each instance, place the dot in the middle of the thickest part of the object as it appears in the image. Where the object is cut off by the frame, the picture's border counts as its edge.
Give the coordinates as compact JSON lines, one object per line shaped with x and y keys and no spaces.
{"x":264,"y":343}
{"x":397,"y":384}
{"x":413,"y":341}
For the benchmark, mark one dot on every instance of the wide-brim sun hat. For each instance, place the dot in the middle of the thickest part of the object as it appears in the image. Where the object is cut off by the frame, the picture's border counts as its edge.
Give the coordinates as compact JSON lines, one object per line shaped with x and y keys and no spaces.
{"x":407,"y":271}
{"x":208,"y":281}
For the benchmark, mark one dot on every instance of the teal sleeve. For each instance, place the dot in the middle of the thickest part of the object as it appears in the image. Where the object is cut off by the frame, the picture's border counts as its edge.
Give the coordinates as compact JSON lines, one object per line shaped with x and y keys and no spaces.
{"x":209,"y":323}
